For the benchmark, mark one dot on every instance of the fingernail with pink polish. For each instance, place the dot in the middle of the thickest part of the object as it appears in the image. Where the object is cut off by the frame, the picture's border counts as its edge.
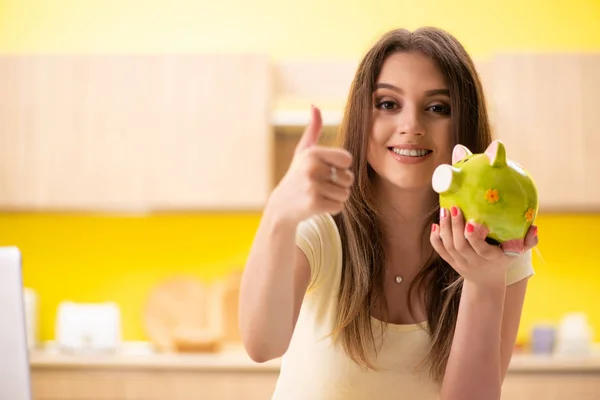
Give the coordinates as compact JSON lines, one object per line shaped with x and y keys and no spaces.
{"x":442,"y":212}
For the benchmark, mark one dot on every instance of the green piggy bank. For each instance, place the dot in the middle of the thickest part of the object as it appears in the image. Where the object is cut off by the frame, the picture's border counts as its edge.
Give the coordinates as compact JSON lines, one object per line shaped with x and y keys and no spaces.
{"x":494,"y":193}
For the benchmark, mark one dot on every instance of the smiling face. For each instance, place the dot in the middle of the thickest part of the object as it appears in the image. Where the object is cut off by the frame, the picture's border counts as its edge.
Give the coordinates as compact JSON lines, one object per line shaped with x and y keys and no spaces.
{"x":411,"y":132}
{"x":409,"y":116}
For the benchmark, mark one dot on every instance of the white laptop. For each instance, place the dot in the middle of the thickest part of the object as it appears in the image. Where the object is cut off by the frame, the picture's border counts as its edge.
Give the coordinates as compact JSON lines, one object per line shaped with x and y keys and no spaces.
{"x":14,"y":356}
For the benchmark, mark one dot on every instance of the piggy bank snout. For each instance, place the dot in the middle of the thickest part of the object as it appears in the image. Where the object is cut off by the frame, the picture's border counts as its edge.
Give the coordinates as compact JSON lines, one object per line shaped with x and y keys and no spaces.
{"x":443,"y":178}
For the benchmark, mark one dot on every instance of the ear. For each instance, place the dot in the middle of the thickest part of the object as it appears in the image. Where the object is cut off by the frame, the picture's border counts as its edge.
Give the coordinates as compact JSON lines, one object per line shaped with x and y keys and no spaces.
{"x":459,"y":153}
{"x":496,"y":153}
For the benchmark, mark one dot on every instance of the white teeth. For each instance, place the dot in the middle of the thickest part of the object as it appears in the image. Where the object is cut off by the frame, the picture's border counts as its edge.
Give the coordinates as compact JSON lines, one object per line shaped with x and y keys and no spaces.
{"x":411,"y":152}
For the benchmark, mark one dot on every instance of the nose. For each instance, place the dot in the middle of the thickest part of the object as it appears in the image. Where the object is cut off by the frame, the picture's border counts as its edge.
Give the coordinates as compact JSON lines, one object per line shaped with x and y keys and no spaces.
{"x":409,"y":122}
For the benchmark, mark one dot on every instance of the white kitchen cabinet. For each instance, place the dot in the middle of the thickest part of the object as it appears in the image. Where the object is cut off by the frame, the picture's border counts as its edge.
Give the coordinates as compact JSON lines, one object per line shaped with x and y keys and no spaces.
{"x":134,"y":132}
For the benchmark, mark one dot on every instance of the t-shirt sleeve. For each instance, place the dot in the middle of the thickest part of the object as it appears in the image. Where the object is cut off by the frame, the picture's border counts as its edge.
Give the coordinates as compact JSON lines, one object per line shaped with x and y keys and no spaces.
{"x":522,"y":268}
{"x":316,"y":239}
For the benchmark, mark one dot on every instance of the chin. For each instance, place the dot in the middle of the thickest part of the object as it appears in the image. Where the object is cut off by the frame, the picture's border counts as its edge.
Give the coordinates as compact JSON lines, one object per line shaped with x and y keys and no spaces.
{"x":408,"y":176}
{"x":407,"y":180}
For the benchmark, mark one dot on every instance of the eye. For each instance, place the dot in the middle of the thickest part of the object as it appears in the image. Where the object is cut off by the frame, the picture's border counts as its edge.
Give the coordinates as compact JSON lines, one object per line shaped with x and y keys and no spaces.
{"x":440,"y":109}
{"x":386,"y":105}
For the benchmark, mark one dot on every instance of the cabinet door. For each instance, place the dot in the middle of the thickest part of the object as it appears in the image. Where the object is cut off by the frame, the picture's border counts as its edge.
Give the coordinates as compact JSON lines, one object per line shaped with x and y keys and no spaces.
{"x":590,"y":87}
{"x":134,"y":132}
{"x":145,"y":383}
{"x":70,"y":133}
{"x":76,"y":384}
{"x":212,"y":144}
{"x":537,"y":104}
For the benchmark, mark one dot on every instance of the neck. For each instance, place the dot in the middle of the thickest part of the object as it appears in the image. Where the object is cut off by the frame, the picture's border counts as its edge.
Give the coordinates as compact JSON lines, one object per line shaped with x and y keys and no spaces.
{"x":405,"y":214}
{"x":405,"y":219}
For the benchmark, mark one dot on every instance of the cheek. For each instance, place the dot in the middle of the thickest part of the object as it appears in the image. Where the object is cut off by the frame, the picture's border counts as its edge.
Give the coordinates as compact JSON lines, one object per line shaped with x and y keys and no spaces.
{"x":444,"y":157}
{"x":372,"y":149}
{"x":444,"y":142}
{"x":377,"y":141}
{"x":379,"y":133}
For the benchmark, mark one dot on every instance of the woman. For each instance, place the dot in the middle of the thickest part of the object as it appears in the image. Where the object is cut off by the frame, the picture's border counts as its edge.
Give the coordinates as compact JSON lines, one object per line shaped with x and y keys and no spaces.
{"x":356,"y":277}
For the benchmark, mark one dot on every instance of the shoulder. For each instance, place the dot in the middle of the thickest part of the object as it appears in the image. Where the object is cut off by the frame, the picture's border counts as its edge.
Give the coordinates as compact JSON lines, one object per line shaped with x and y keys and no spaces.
{"x":521,"y":268}
{"x":319,"y":239}
{"x":320,"y":225}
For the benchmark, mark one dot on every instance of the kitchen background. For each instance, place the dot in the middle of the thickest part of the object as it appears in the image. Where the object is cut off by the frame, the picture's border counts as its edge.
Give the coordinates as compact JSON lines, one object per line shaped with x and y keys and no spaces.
{"x":119,"y":256}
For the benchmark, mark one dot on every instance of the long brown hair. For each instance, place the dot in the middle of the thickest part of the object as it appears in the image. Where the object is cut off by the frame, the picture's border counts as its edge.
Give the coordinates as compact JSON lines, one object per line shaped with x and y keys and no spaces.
{"x":364,"y":253}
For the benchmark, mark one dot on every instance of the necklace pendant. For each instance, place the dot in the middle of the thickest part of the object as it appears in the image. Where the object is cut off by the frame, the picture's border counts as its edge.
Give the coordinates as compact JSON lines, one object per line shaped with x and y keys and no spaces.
{"x":398,"y":279}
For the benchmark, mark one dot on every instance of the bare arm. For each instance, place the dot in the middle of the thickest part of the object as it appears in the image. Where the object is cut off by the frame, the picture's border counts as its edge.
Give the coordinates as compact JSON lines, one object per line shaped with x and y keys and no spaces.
{"x":277,"y":272}
{"x":273,"y":285}
{"x":486,"y":330}
{"x":489,"y":312}
{"x":513,"y":306}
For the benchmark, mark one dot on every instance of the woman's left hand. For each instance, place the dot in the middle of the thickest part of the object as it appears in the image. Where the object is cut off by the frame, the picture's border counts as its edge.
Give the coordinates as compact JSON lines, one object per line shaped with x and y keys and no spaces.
{"x":465,"y":249}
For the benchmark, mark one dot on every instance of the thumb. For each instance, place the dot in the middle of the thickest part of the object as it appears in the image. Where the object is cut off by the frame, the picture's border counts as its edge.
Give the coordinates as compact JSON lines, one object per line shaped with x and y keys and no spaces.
{"x":531,"y":238}
{"x":311,"y":134}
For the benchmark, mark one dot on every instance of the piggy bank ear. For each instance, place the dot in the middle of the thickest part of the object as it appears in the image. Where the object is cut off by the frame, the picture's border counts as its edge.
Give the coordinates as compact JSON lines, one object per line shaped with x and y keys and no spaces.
{"x":459,"y":153}
{"x":496,"y":153}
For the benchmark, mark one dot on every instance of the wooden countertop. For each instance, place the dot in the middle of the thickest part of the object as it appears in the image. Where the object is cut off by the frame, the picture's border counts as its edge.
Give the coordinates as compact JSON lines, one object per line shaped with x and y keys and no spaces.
{"x":521,"y":363}
{"x":235,"y":359}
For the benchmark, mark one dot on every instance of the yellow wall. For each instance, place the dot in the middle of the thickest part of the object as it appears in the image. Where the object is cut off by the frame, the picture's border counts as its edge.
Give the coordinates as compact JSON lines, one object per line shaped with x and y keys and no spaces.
{"x":93,"y":258}
{"x":290,"y":28}
{"x":103,"y":258}
{"x":118,"y":258}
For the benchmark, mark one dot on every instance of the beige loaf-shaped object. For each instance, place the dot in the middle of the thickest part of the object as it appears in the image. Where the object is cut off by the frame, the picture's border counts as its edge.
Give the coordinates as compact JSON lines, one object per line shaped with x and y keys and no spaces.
{"x":185,"y":314}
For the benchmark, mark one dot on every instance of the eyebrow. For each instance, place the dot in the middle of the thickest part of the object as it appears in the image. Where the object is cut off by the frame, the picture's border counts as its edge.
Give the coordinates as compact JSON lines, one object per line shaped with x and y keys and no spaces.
{"x":431,"y":92}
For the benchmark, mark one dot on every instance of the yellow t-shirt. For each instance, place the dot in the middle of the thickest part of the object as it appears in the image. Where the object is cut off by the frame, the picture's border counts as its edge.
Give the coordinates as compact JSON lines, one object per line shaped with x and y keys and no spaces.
{"x":314,"y":368}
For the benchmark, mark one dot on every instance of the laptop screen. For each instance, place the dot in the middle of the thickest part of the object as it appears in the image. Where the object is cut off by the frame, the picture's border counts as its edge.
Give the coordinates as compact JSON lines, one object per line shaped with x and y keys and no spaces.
{"x":14,"y":365}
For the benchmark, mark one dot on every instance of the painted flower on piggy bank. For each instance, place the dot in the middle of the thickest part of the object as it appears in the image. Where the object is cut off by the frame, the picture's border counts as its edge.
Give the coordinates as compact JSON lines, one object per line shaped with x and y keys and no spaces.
{"x":493,"y":192}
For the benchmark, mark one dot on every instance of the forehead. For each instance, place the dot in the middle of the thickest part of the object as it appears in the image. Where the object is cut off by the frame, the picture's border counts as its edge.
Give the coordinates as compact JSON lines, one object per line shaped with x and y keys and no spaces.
{"x":412,"y":70}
